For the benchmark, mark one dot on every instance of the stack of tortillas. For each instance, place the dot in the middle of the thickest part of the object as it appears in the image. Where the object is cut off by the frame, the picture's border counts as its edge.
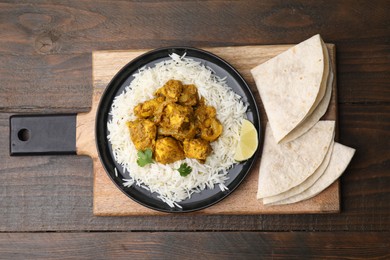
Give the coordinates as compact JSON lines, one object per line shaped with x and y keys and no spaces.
{"x":300,"y":158}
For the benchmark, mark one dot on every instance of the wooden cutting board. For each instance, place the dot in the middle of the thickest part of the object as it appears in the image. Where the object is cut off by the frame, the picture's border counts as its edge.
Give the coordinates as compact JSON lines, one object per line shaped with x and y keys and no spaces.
{"x":108,"y":200}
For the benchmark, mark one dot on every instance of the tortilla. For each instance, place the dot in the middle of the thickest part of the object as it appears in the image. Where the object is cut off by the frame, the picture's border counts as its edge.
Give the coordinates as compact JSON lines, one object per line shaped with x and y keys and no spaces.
{"x":313,"y":118}
{"x":325,"y":77}
{"x":304,"y":185}
{"x":284,"y":166}
{"x":291,"y":84}
{"x":339,"y":161}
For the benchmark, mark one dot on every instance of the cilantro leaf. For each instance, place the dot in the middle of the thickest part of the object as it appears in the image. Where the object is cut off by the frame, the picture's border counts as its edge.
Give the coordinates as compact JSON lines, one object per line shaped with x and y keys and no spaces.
{"x":145,"y":157}
{"x":184,"y":169}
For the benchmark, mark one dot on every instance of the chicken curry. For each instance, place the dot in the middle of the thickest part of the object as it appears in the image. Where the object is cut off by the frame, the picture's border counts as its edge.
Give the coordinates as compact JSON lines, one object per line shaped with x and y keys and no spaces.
{"x":175,"y":124}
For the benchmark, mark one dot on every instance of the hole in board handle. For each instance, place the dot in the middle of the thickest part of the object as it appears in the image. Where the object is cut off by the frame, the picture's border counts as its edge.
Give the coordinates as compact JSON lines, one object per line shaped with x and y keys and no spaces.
{"x":24,"y":135}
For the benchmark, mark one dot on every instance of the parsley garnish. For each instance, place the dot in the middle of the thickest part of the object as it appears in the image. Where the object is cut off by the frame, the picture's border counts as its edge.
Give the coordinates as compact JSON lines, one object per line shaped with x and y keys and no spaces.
{"x":144,"y":157}
{"x":184,"y":169}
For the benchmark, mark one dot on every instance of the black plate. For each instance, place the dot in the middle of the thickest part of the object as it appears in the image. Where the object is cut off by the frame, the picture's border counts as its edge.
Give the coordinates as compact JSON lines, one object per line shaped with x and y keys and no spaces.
{"x":123,"y":78}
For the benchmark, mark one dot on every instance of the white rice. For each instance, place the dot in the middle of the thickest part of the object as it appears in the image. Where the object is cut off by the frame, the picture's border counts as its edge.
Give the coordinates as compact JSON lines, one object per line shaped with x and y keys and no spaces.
{"x":165,"y":179}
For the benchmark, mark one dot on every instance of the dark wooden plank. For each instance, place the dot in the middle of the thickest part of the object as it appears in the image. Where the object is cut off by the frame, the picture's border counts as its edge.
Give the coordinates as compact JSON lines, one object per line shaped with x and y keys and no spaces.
{"x":77,"y":27}
{"x":54,"y":193}
{"x":195,"y":245}
{"x":45,"y":46}
{"x":45,"y":83}
{"x":363,"y":72}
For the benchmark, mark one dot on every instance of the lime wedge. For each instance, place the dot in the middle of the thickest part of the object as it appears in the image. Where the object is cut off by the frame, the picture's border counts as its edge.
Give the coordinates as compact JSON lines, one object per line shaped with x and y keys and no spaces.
{"x":248,"y":142}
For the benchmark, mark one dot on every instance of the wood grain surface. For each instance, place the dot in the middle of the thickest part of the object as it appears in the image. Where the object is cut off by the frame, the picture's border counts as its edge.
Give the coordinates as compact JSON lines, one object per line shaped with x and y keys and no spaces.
{"x":46,"y":67}
{"x":195,"y":245}
{"x":108,"y":200}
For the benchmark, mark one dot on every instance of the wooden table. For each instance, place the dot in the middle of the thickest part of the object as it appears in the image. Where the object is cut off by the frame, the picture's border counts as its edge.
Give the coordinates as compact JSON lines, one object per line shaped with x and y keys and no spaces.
{"x":45,"y":67}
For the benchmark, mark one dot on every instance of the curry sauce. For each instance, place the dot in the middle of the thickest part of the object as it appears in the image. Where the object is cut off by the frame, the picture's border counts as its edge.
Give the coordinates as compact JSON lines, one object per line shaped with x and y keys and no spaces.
{"x":175,"y":124}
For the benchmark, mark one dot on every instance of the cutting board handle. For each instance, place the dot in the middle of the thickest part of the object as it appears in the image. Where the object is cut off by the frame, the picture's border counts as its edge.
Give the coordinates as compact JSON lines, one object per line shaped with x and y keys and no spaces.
{"x":55,"y":134}
{"x":42,"y":134}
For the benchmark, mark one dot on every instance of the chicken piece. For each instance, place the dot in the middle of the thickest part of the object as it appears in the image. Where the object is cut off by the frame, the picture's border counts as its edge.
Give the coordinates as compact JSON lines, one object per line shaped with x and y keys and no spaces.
{"x":189,"y":96}
{"x":143,"y":133}
{"x":210,"y":127}
{"x":168,"y":150}
{"x":148,"y":108}
{"x":179,"y":134}
{"x":211,"y":130}
{"x":197,"y":149}
{"x":176,"y":117}
{"x":204,"y":112}
{"x":159,"y":112}
{"x":171,"y":90}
